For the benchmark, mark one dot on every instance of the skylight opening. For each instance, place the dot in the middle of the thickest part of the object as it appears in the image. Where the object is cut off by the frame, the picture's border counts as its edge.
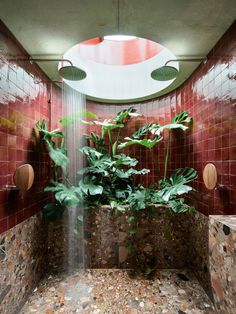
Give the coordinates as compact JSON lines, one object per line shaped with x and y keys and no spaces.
{"x":113,"y":66}
{"x":119,"y":37}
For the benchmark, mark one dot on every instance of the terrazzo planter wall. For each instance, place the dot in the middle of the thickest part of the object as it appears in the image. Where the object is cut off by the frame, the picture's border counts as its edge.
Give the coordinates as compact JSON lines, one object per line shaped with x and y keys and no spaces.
{"x":23,"y":263}
{"x":197,"y":238}
{"x":163,"y":241}
{"x":26,"y":96}
{"x":158,"y":243}
{"x":222,"y":243}
{"x":65,"y":247}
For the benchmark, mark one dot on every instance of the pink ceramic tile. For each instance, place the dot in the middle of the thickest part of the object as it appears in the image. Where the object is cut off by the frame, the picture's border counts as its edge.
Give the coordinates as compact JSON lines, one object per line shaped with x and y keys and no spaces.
{"x":22,"y":101}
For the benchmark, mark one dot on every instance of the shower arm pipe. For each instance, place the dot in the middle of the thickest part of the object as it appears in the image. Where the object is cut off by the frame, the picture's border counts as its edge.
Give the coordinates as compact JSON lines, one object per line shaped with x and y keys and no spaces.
{"x":50,"y":60}
{"x":187,"y":60}
{"x":43,"y":60}
{"x":50,"y":81}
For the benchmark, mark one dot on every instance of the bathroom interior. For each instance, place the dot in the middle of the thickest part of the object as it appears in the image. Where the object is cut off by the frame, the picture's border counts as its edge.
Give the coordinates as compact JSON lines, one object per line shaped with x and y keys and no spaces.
{"x":118,"y":157}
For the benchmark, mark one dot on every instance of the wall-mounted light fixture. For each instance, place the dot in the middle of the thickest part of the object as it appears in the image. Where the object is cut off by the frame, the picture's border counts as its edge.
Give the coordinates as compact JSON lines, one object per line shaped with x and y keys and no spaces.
{"x":210,"y":176}
{"x":24,"y":177}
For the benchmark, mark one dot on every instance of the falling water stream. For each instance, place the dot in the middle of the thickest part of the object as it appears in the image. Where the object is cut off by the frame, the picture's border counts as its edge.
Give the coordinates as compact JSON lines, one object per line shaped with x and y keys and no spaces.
{"x":73,"y":108}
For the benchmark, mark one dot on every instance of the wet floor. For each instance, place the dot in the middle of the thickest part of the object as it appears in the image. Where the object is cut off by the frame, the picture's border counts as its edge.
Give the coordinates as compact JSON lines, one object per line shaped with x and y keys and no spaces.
{"x":119,"y":291}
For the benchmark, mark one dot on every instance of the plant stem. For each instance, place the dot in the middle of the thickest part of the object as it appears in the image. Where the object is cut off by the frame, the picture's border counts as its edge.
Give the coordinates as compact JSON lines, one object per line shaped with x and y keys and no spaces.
{"x":68,"y":181}
{"x":154,"y":161}
{"x":110,"y":140}
{"x":118,"y":136}
{"x":167,"y":155}
{"x":55,"y":172}
{"x":62,"y":142}
{"x":117,"y":139}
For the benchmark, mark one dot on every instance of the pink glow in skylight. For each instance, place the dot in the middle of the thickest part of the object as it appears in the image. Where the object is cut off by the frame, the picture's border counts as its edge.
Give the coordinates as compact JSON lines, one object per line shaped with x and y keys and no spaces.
{"x":118,"y":50}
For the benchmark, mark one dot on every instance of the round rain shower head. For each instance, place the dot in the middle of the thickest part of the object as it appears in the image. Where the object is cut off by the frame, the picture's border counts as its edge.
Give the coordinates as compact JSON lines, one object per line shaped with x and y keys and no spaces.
{"x":165,"y":73}
{"x":72,"y":73}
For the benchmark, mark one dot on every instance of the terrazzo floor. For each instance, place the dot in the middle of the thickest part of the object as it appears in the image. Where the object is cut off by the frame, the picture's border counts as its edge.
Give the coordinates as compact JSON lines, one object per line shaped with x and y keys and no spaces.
{"x":119,"y":291}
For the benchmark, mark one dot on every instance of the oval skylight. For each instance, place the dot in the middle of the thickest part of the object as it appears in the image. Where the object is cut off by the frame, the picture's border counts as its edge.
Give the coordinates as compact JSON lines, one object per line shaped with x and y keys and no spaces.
{"x":117,"y":68}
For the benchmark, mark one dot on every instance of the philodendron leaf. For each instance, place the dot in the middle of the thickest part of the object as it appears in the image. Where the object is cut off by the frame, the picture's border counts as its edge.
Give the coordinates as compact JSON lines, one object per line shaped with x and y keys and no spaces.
{"x":139,"y":172}
{"x":90,"y":151}
{"x":178,"y":206}
{"x":55,"y":187}
{"x":176,"y":185}
{"x":97,"y":140}
{"x":130,"y":219}
{"x":77,"y":231}
{"x":148,"y":143}
{"x":159,"y":130}
{"x":53,"y":211}
{"x":89,"y":114}
{"x":68,"y":196}
{"x":47,"y":135}
{"x":64,"y":195}
{"x":174,"y":126}
{"x":176,"y":123}
{"x":77,"y":117}
{"x":122,"y":116}
{"x":87,"y":122}
{"x":89,"y":188}
{"x":125,"y":174}
{"x":59,"y":157}
{"x":123,"y":193}
{"x":137,"y":200}
{"x":116,"y":206}
{"x":114,"y":148}
{"x":67,"y":120}
{"x":108,"y":125}
{"x":142,"y":131}
{"x":80,"y":218}
{"x":183,"y":175}
{"x":122,"y":159}
{"x":181,"y":117}
{"x":42,"y":126}
{"x":134,"y":114}
{"x":174,"y":190}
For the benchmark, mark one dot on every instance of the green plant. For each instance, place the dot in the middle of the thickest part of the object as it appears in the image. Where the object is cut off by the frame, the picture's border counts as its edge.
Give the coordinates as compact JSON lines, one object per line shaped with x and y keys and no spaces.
{"x":110,"y":175}
{"x":114,"y":172}
{"x":64,"y":193}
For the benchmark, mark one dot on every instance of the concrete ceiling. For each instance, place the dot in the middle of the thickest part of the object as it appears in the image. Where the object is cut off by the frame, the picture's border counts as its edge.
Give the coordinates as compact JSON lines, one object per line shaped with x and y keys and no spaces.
{"x":189,"y":28}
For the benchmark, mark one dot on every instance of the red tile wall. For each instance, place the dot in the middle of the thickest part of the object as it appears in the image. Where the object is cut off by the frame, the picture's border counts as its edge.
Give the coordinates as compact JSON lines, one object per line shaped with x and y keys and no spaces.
{"x":209,"y":95}
{"x":24,"y":99}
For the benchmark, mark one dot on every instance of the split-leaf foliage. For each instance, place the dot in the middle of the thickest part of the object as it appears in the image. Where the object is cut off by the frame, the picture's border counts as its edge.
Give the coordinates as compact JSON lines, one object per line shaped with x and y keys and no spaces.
{"x":110,"y":175}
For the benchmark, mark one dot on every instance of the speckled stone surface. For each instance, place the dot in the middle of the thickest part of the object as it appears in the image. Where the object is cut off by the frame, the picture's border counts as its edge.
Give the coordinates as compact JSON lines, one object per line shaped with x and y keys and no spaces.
{"x":159,"y":243}
{"x":65,"y":248}
{"x":222,"y":245}
{"x":197,"y":239}
{"x":227,"y":220}
{"x":24,"y":263}
{"x":121,"y":292}
{"x":163,"y":241}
